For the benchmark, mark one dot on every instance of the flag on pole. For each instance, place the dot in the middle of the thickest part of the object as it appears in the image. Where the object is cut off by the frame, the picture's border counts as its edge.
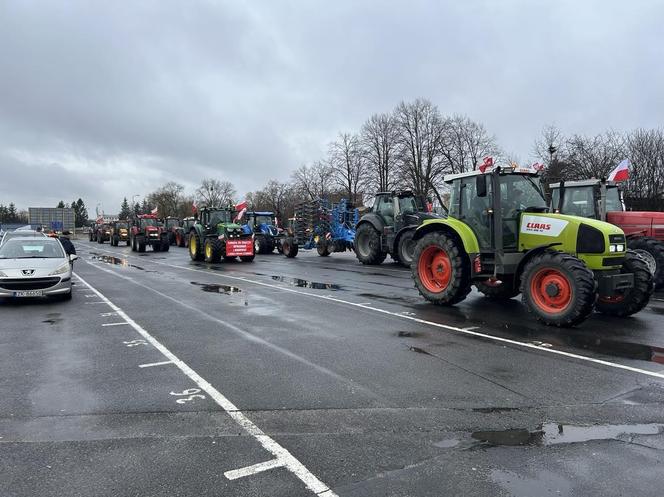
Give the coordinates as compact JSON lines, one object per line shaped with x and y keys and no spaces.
{"x":241,"y":208}
{"x":194,"y":207}
{"x":154,"y":211}
{"x":487,"y":164}
{"x":621,"y":172}
{"x":537,"y":166}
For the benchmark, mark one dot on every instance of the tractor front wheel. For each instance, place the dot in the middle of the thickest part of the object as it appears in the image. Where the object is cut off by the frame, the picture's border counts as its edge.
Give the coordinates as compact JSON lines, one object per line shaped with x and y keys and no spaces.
{"x":406,"y":248}
{"x":195,"y":248}
{"x":141,"y":245}
{"x":558,"y":288}
{"x":213,"y":249}
{"x":503,"y":291}
{"x":440,"y":270}
{"x":633,"y":299}
{"x":165,"y":245}
{"x":289,"y":247}
{"x":367,"y":245}
{"x":260,"y":245}
{"x":656,"y":249}
{"x":322,"y":248}
{"x":134,"y":246}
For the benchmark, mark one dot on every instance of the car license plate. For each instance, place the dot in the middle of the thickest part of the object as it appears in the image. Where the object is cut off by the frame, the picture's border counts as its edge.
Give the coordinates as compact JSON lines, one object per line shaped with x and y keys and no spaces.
{"x":29,"y":293}
{"x":235,"y":248}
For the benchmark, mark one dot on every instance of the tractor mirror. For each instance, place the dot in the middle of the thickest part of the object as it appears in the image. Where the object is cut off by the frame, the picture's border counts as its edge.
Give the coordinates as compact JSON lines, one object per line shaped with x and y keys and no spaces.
{"x":480,"y":185}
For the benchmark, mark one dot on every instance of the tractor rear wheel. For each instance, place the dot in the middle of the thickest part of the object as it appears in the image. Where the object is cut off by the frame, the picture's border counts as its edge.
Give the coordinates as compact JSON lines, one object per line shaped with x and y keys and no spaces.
{"x":260,"y":245}
{"x":558,"y":288}
{"x":367,"y":245}
{"x":195,"y":248}
{"x":141,"y":245}
{"x":212,"y":250}
{"x":322,"y":248}
{"x":634,"y":299}
{"x":134,"y":246}
{"x":505,"y":290}
{"x":165,"y":245}
{"x":289,"y":247}
{"x":247,"y":258}
{"x":406,"y":248}
{"x":156,"y":246}
{"x":440,"y":271}
{"x":656,"y":249}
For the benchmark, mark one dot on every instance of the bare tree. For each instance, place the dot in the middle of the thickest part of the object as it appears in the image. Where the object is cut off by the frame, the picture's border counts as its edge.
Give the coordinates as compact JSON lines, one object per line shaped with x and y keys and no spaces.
{"x":313,"y":181}
{"x":276,"y":197}
{"x":167,"y":198}
{"x":593,"y":157}
{"x":379,"y":142}
{"x":215,"y":193}
{"x":347,"y":164}
{"x":420,"y":130}
{"x":465,"y":144}
{"x":645,"y":187}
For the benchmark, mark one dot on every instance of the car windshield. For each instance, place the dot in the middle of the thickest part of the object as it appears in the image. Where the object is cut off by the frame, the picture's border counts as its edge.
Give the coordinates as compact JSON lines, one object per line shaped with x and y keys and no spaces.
{"x":22,"y":234}
{"x":613,"y":200}
{"x":148,"y":222}
{"x":217,"y":217}
{"x":521,"y":192}
{"x":264,"y":220}
{"x":45,"y":248}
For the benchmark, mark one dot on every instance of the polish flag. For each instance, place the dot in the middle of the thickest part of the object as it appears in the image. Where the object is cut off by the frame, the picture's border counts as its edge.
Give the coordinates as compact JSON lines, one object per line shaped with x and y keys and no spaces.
{"x":538,"y":166}
{"x":194,"y":207}
{"x":621,"y":172}
{"x":154,"y":211}
{"x":241,"y":208}
{"x":487,"y":164}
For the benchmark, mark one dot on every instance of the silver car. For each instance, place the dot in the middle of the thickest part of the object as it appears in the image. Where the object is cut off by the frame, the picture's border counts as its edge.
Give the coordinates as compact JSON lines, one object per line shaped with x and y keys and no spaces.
{"x":35,"y":267}
{"x":8,"y":235}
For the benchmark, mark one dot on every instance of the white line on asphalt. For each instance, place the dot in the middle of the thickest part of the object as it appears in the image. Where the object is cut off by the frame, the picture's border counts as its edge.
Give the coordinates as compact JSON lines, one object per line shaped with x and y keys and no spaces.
{"x":94,"y":302}
{"x":151,"y":364}
{"x":252,"y":470}
{"x":571,"y":355}
{"x":114,"y":324}
{"x":286,"y":458}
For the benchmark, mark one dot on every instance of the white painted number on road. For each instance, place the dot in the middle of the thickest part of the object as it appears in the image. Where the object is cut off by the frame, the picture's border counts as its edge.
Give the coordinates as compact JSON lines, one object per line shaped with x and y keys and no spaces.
{"x":191,"y":394}
{"x":134,"y":343}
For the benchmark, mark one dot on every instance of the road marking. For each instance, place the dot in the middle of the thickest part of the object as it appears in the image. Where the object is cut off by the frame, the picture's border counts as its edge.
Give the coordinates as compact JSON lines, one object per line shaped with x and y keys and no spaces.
{"x":477,"y":334}
{"x":252,"y":470}
{"x":107,"y":314}
{"x":94,"y":302}
{"x":114,"y":324}
{"x":289,"y":461}
{"x":470,"y":328}
{"x":151,"y":364}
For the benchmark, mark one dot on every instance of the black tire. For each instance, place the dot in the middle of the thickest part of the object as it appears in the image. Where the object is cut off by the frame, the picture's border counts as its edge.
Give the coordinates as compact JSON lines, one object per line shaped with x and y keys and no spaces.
{"x":654,"y":248}
{"x":100,"y":240}
{"x":289,"y":247}
{"x":156,"y":246}
{"x":213,"y":250}
{"x":573,"y":276}
{"x":180,"y":240}
{"x":195,"y":251}
{"x":128,"y":242}
{"x":634,"y":299}
{"x":229,"y":259}
{"x":367,"y":245}
{"x":322,"y":247}
{"x":247,"y":258}
{"x":506,"y":290}
{"x":134,"y":245}
{"x":165,"y":246}
{"x":406,"y":248}
{"x":141,"y":244}
{"x":260,"y":245}
{"x":457,"y":286}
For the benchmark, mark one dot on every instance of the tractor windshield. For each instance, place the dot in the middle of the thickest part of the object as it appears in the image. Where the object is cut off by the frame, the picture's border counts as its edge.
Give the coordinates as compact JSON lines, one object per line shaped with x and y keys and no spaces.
{"x":170,"y":223}
{"x":613,"y":200}
{"x":269,"y":220}
{"x":408,"y":205}
{"x":519,"y":192}
{"x":577,"y":201}
{"x":217,"y":217}
{"x":148,"y":222}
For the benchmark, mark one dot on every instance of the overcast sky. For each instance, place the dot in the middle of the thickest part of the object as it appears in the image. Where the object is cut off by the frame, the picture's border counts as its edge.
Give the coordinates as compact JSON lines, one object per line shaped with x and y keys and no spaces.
{"x":104,"y":99}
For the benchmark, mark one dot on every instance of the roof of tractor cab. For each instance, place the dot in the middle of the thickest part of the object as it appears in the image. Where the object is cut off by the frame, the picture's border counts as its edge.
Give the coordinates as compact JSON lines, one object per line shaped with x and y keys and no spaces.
{"x":260,"y":213}
{"x":397,"y":193}
{"x":507,"y":170}
{"x":585,"y":182}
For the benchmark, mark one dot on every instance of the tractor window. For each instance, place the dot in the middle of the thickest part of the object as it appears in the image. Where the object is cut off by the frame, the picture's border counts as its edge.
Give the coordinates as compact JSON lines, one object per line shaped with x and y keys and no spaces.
{"x":217,"y":217}
{"x":148,"y":222}
{"x":170,"y":223}
{"x":577,"y":201}
{"x":517,"y":193}
{"x":385,"y":209}
{"x":474,"y":210}
{"x":613,"y":200}
{"x":121,"y":225}
{"x":269,"y":220}
{"x":408,"y":205}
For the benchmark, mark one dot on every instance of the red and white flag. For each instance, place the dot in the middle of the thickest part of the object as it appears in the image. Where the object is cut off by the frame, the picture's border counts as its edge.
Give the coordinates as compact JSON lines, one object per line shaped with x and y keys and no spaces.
{"x":537,"y":166}
{"x":241,"y":208}
{"x":194,"y":207}
{"x":155,"y":211}
{"x":487,"y":164}
{"x":621,"y":172}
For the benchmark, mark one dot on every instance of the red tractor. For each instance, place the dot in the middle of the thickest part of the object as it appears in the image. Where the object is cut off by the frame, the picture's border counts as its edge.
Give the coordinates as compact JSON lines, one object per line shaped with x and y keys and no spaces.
{"x":601,"y":199}
{"x":146,"y":231}
{"x":171,"y":224}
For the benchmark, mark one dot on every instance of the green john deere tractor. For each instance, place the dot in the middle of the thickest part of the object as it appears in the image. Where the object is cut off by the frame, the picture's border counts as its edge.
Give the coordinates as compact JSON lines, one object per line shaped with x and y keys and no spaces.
{"x":214,"y":236}
{"x":500,"y":238}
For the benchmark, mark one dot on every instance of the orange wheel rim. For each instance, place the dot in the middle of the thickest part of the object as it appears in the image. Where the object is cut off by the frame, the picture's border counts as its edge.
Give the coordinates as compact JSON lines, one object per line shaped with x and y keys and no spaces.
{"x":435,"y":269}
{"x":551,"y":290}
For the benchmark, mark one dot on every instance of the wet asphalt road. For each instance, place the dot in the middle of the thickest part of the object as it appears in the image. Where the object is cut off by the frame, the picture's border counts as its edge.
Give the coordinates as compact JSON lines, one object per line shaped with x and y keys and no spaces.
{"x":162,"y":375}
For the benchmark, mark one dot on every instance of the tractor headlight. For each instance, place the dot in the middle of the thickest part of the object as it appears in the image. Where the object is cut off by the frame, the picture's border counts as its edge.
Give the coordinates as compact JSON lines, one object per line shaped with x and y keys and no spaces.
{"x":61,"y":270}
{"x":616,"y":247}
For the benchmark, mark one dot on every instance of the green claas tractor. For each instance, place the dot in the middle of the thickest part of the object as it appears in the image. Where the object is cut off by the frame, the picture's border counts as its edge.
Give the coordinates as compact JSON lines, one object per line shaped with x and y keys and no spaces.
{"x":500,"y":237}
{"x":214,"y":236}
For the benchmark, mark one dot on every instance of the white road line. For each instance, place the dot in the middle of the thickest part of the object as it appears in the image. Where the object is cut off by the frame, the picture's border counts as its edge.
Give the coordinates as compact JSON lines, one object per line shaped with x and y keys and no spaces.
{"x":252,"y":470}
{"x":114,"y":324}
{"x":151,"y":364}
{"x":477,"y":334}
{"x":94,"y":302}
{"x":288,"y":460}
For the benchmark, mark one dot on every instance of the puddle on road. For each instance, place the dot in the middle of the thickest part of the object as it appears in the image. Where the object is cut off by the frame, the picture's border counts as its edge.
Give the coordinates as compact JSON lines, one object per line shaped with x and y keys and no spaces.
{"x":306,"y":283}
{"x":214,"y":288}
{"x":555,"y":434}
{"x":116,"y":261}
{"x":419,"y":350}
{"x":410,"y":334}
{"x":52,"y":318}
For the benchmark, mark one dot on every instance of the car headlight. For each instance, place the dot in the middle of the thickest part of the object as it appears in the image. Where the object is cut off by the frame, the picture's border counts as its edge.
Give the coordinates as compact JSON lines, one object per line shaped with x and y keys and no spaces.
{"x":61,"y":270}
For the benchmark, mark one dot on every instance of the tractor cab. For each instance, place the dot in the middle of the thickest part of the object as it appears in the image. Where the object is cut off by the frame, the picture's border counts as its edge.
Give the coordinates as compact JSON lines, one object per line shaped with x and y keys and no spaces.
{"x":171,"y":222}
{"x":590,"y":198}
{"x":212,"y":217}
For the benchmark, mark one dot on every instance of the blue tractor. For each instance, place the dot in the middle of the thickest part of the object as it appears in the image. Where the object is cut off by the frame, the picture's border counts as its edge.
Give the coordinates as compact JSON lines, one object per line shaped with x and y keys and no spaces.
{"x":267,"y":236}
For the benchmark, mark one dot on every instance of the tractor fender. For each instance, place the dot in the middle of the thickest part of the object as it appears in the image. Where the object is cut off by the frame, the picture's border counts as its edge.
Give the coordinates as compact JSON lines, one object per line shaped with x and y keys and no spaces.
{"x":374,"y":220}
{"x":452,"y":227}
{"x":529,"y":255}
